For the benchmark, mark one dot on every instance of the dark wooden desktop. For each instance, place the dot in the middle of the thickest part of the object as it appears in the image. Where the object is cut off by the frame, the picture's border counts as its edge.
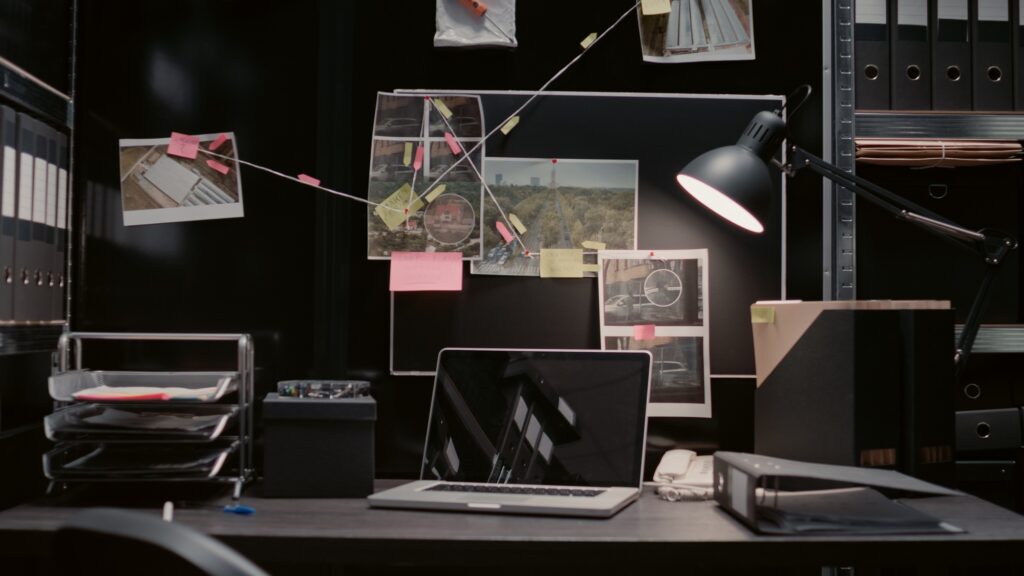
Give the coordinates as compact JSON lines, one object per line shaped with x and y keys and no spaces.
{"x":648,"y":535}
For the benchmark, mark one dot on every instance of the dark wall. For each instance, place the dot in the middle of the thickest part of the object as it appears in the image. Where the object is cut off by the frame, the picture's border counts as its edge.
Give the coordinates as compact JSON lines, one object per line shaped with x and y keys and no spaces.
{"x":296,"y":82}
{"x":394,"y":50}
{"x":254,"y":68}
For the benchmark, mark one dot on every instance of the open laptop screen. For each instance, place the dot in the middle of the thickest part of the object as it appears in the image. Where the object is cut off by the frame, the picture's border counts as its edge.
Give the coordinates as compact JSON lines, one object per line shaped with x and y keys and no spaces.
{"x":568,"y":418}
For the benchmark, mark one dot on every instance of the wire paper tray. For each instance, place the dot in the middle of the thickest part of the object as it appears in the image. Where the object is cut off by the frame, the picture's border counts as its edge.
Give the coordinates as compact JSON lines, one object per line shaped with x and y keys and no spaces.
{"x":139,"y":422}
{"x":71,"y":462}
{"x":103,"y":386}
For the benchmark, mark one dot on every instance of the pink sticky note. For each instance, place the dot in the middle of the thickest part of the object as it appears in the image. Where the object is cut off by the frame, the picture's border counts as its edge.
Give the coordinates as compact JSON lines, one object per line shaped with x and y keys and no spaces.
{"x":183,"y":145}
{"x":418,"y":162}
{"x":309,"y":180}
{"x":452,"y":143}
{"x":424,"y":271}
{"x":220,"y":140}
{"x":643,"y":332}
{"x":503,"y":231}
{"x":217,"y":166}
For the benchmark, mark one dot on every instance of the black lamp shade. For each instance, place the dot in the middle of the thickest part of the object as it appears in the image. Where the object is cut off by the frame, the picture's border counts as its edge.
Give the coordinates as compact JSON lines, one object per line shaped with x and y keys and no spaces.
{"x":733,"y":182}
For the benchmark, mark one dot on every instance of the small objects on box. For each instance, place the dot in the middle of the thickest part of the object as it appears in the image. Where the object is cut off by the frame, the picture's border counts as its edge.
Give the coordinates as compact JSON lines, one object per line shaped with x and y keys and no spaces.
{"x":330,"y":389}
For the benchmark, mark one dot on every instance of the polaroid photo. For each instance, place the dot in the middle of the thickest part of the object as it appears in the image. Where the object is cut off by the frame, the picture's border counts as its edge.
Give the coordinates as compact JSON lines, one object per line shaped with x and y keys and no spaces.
{"x":157,"y":187}
{"x":699,"y":31}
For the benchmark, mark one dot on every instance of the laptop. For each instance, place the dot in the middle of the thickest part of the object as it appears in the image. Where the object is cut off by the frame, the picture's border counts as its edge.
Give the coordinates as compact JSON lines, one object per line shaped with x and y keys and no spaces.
{"x":554,"y":432}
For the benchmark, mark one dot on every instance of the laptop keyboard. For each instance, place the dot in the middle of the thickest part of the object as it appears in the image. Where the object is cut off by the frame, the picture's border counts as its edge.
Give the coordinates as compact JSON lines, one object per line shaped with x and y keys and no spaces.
{"x":507,"y":489}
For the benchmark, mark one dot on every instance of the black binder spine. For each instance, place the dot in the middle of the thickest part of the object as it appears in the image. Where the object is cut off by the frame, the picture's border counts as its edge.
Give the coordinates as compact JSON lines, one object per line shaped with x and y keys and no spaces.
{"x":951,"y":55}
{"x":992,"y":56}
{"x":911,"y":55}
{"x":24,"y":248}
{"x":1017,"y":40}
{"x":8,"y":209}
{"x":871,"y":55}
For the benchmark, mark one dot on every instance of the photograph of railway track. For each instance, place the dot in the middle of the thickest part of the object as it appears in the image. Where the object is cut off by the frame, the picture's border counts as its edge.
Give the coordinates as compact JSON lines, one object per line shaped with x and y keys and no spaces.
{"x":560,"y":203}
{"x":699,"y":31}
{"x":157,"y":187}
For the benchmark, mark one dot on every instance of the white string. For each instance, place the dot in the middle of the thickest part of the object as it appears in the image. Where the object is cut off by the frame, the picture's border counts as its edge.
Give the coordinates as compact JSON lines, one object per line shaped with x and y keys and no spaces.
{"x":293,"y":178}
{"x":529,"y":100}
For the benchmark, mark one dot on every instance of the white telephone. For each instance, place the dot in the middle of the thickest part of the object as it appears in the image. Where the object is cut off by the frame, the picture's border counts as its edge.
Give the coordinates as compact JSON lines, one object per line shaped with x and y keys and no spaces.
{"x":683,"y":475}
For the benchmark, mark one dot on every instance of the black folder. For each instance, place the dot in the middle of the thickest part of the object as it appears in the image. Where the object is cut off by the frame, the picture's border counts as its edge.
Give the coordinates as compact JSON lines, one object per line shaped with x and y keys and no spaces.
{"x":871,"y":55}
{"x":911,"y":72}
{"x":1017,"y":40}
{"x":61,"y":221}
{"x":24,"y":247}
{"x":52,"y":266}
{"x":992,"y":56}
{"x":951,"y":55}
{"x":8,"y":209}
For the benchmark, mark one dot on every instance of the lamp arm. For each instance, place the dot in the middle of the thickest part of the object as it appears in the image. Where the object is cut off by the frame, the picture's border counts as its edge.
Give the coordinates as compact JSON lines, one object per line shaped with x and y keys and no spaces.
{"x":990,"y":245}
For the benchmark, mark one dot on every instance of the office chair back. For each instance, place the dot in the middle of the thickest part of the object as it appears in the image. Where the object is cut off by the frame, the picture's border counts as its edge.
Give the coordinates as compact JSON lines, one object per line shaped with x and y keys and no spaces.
{"x":113,"y":542}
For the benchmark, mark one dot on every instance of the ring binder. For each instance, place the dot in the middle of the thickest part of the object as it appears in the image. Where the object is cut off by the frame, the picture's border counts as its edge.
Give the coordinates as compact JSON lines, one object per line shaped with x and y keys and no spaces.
{"x":871,"y":55}
{"x":911,"y":59}
{"x":992,"y":56}
{"x":951,"y":55}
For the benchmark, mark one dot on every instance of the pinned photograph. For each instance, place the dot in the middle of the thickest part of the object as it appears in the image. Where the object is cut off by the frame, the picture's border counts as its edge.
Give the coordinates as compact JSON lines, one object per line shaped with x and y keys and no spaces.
{"x":178,"y":179}
{"x":657,"y":300}
{"x":553,"y":203}
{"x":653,"y":291}
{"x":677,"y":371}
{"x":698,"y":31}
{"x":422,"y":178}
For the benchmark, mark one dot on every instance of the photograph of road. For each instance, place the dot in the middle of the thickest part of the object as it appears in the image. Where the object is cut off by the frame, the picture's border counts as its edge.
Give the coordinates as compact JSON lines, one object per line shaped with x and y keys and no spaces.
{"x":561,"y":203}
{"x":157,"y":187}
{"x":652,"y":291}
{"x":663,"y":290}
{"x":409,"y":153}
{"x":677,"y":371}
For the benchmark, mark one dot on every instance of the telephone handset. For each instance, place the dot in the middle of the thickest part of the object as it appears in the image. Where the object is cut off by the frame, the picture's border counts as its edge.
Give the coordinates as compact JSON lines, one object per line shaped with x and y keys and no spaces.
{"x":682,"y":474}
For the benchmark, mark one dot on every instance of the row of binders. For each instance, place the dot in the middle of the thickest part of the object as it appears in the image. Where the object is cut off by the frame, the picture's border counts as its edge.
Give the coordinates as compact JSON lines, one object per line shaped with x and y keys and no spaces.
{"x":939,"y":54}
{"x":33,"y":219}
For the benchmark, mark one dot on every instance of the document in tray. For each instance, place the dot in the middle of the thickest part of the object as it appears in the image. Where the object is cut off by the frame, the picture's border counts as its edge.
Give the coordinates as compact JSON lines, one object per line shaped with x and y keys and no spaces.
{"x":138,"y":421}
{"x":143,"y":393}
{"x":138,"y":461}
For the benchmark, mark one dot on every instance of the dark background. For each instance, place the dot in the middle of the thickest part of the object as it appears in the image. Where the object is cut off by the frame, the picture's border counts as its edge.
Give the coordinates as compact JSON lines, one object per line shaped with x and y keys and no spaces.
{"x":296,"y":82}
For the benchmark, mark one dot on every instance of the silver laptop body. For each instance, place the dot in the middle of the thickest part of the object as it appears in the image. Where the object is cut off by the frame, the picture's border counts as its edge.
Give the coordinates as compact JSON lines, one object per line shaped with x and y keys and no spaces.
{"x":555,"y":432}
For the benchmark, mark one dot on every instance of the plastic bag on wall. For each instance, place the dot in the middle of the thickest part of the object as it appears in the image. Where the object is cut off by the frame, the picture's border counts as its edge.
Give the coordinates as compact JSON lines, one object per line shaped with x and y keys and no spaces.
{"x":459,"y":25}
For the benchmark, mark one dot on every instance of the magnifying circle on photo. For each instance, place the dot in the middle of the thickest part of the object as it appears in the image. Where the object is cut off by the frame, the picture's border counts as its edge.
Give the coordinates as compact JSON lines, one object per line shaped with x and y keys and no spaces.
{"x":663,"y":288}
{"x":450,"y":219}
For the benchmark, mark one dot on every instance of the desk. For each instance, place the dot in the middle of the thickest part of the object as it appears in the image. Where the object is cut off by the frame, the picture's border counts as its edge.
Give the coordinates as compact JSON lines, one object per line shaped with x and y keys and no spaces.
{"x":649,"y":536}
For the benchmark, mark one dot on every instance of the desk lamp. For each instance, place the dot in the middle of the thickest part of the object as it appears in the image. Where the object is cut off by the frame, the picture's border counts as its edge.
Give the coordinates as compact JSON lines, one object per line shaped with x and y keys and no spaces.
{"x":735,"y":183}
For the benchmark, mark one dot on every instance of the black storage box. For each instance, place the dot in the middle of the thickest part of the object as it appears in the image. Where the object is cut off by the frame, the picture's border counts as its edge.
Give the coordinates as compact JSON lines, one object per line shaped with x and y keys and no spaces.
{"x":857,"y":383}
{"x":318,"y":448}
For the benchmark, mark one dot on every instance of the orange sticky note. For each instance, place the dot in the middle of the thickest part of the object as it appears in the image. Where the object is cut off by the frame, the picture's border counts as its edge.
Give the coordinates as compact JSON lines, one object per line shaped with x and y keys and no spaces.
{"x":220,"y":140}
{"x":217,"y":166}
{"x":308,"y":180}
{"x":183,"y":145}
{"x":503,"y":230}
{"x":450,"y":139}
{"x":643,"y":332}
{"x":426,"y":271}
{"x":418,"y":162}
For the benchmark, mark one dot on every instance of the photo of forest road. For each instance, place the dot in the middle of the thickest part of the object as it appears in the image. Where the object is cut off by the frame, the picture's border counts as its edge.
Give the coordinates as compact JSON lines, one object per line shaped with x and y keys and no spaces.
{"x":561,"y":204}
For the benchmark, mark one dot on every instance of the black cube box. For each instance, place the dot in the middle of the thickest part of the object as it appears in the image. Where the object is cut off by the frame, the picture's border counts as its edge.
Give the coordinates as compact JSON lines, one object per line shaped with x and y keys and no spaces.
{"x":318,"y":448}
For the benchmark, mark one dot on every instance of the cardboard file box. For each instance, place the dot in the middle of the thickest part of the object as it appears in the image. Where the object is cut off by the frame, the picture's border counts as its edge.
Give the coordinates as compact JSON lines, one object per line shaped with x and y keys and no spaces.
{"x":318,"y":448}
{"x":857,"y":383}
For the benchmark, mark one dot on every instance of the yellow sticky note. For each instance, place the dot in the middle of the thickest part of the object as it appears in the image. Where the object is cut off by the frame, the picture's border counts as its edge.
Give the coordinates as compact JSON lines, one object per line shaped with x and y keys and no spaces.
{"x":512,"y":122}
{"x":588,"y":40}
{"x":655,"y":7}
{"x":591,"y":268}
{"x":393,"y":210}
{"x":594,"y":245}
{"x":762,"y":315}
{"x":407,"y":157}
{"x":437,"y":191}
{"x":442,"y":108}
{"x":561,"y":263}
{"x":517,"y":223}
